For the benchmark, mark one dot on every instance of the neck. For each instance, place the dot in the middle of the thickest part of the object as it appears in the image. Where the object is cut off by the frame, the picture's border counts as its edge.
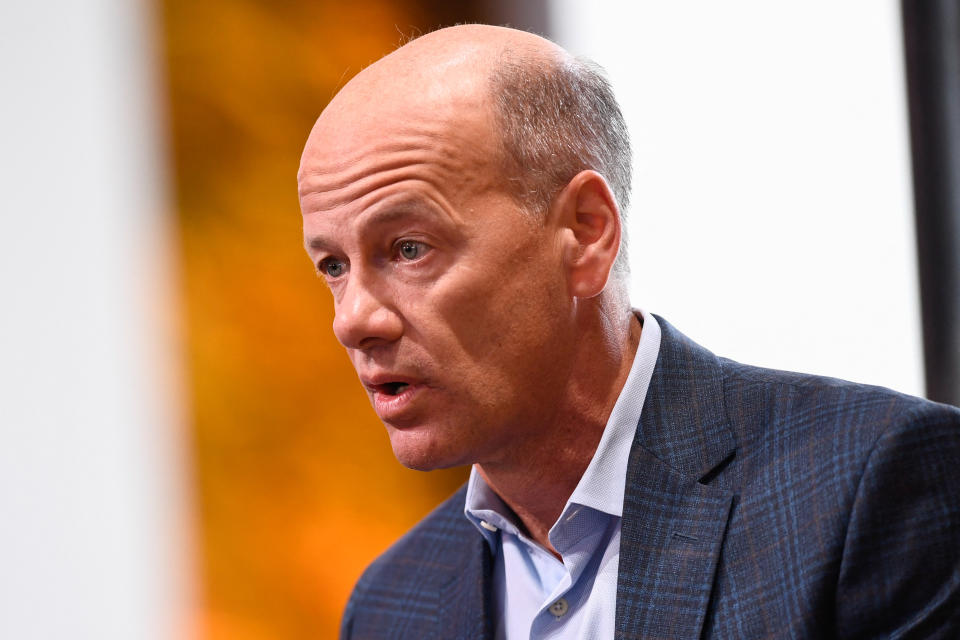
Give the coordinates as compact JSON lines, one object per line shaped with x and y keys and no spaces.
{"x":538,"y":479}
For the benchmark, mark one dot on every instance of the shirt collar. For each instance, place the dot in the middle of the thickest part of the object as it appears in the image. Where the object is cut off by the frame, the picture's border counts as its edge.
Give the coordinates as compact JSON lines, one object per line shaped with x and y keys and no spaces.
{"x":602,"y":485}
{"x":485,"y":509}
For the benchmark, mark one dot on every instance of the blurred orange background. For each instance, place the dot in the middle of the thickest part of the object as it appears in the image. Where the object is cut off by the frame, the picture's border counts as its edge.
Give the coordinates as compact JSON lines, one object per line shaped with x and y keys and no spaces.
{"x":297,"y":489}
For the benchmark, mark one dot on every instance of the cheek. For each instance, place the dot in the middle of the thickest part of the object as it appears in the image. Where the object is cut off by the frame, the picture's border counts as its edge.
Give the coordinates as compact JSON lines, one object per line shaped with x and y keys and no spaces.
{"x":498,"y":322}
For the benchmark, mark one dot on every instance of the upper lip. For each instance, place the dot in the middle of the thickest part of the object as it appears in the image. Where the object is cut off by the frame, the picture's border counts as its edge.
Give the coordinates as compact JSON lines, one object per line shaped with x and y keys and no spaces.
{"x":378,"y":381}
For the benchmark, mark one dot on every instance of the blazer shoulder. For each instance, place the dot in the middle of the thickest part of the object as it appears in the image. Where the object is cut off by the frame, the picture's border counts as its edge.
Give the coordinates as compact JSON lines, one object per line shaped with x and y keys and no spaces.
{"x":848,"y":492}
{"x":798,"y":402}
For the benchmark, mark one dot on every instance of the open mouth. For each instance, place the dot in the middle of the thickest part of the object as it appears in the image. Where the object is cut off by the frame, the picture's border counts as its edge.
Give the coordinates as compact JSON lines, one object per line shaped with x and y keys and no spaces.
{"x":393,"y":388}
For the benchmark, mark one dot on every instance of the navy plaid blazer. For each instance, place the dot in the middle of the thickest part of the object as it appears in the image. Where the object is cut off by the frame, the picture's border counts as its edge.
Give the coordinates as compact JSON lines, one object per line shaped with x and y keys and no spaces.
{"x":758,"y":504}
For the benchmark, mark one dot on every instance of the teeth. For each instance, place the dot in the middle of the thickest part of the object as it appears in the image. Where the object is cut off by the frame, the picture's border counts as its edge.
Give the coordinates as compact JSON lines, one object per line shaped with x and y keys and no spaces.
{"x":400,"y":386}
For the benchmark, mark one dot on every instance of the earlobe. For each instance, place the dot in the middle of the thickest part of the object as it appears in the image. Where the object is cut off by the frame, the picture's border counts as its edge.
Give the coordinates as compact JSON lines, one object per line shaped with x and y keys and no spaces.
{"x":589,"y":213}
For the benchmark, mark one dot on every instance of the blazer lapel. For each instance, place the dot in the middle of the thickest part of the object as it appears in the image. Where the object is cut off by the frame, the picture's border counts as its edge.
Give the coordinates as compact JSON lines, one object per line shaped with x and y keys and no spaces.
{"x":465,"y":608}
{"x":675,"y":510}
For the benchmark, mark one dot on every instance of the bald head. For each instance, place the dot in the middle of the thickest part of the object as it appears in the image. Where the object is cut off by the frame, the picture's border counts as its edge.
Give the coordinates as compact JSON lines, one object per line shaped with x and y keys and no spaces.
{"x":454,"y":61}
{"x":548,"y":115}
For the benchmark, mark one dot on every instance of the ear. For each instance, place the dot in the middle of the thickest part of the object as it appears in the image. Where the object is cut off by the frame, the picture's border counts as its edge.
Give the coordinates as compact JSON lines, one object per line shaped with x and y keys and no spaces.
{"x":589,"y":217}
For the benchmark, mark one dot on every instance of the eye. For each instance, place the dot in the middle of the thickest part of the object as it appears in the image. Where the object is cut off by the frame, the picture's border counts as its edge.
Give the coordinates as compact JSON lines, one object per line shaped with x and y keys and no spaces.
{"x":411,"y":249}
{"x":332,"y":267}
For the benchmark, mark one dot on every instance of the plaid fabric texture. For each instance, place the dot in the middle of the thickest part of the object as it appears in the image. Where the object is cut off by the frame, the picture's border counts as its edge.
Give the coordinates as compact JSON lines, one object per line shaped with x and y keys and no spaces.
{"x":759,"y":504}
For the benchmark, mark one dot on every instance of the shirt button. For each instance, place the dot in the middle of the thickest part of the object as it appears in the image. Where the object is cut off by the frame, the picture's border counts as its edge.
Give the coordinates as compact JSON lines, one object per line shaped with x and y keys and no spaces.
{"x":486,"y":525}
{"x":559,"y":608}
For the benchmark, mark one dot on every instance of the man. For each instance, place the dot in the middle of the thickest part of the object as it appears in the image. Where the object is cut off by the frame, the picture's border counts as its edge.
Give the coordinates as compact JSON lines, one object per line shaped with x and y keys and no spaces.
{"x":462,"y":198}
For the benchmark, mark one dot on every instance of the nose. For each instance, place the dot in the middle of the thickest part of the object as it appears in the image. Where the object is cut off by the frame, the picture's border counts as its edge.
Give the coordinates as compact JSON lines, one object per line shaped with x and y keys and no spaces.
{"x":363,"y":318}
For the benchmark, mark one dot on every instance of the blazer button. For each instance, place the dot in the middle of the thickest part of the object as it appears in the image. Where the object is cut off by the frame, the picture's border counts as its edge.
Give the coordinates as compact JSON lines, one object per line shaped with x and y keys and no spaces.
{"x":559,"y":608}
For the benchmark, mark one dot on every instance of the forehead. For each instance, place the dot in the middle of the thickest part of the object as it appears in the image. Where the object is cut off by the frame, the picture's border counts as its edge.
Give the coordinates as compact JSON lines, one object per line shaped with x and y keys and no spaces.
{"x":380,"y":136}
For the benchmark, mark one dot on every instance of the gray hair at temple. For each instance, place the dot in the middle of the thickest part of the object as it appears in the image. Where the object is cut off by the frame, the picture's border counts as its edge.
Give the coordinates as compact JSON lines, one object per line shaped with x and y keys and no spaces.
{"x":559,"y":117}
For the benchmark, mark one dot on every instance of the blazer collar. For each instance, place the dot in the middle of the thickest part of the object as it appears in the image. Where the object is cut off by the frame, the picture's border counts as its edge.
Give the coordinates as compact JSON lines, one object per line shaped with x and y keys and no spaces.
{"x":684,"y":421}
{"x":675,"y":509}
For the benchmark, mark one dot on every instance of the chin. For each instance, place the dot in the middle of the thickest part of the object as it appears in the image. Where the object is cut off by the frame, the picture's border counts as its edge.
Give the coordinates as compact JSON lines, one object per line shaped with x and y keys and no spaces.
{"x":423,"y":453}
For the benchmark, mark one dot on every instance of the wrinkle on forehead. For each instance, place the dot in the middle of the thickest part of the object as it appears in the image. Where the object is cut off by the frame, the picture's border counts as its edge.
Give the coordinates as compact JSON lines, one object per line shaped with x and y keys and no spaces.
{"x":449,"y":160}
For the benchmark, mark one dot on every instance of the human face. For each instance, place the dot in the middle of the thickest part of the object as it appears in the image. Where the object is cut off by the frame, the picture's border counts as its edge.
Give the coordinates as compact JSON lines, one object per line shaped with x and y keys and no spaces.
{"x":449,"y":298}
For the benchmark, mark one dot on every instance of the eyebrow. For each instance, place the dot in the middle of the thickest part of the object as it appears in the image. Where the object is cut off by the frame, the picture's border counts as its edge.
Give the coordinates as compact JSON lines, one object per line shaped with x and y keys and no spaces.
{"x":315,"y":243}
{"x":406,"y":208}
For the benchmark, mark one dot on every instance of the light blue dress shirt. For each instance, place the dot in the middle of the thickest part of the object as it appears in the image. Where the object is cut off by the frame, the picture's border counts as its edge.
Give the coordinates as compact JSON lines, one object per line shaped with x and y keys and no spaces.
{"x":535,"y":595}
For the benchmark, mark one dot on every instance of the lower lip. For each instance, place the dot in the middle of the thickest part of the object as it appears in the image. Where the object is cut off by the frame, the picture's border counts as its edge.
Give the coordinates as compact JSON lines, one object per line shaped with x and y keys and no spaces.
{"x":390,"y":407}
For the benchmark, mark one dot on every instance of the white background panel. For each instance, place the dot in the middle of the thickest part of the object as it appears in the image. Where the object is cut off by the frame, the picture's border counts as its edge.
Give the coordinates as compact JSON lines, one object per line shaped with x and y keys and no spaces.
{"x":772,"y":213}
{"x":93,"y":509}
